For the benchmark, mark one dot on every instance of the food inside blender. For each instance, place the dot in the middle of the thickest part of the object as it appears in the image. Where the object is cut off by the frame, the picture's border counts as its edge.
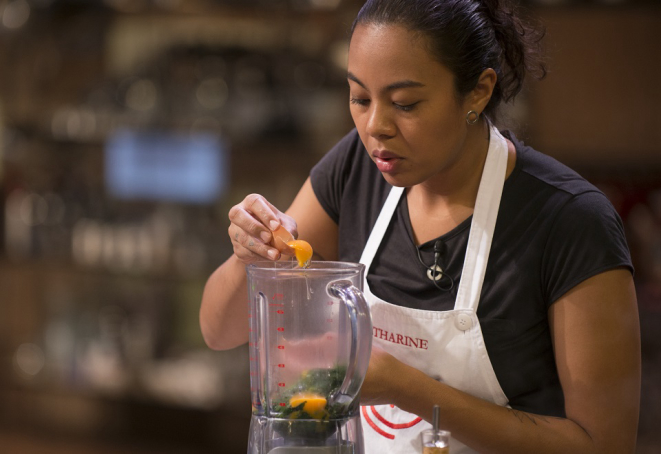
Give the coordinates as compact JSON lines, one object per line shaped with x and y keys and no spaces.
{"x":305,"y":410}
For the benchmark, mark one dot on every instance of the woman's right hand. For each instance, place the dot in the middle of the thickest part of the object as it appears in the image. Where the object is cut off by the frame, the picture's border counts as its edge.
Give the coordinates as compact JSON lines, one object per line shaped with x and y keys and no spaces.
{"x":251,"y":224}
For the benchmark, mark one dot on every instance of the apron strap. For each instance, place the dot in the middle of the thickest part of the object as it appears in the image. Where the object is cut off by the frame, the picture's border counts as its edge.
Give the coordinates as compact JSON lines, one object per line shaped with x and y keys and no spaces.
{"x":483,"y":223}
{"x":380,"y":227}
{"x":481,"y":230}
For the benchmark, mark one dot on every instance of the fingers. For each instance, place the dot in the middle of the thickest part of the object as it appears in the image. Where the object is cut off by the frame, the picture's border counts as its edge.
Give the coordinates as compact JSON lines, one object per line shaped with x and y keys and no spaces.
{"x":250,"y":230}
{"x":263,"y":211}
{"x":252,"y":216}
{"x":282,"y":219}
{"x":250,"y":249}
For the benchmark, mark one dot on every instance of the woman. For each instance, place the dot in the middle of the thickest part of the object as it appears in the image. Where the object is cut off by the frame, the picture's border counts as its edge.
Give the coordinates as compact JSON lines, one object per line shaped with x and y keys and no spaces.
{"x":512,"y":269}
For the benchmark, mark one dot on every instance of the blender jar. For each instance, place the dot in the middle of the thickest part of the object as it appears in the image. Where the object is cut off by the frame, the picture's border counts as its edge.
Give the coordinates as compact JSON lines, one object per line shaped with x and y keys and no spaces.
{"x":310,"y":343}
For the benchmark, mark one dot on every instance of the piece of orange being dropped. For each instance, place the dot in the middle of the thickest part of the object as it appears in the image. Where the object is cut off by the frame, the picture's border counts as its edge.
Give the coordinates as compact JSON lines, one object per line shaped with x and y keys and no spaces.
{"x":303,"y":252}
{"x":314,"y":405}
{"x":280,"y":238}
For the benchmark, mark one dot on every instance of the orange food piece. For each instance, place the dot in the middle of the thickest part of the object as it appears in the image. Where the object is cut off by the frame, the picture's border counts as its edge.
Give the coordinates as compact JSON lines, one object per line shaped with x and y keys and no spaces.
{"x":280,"y":239}
{"x":314,"y":405}
{"x":302,"y":250}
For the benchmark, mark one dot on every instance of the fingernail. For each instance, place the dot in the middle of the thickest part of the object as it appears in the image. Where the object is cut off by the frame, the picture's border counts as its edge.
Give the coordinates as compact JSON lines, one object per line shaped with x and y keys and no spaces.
{"x":274,"y":225}
{"x":266,"y":236}
{"x":273,"y":254}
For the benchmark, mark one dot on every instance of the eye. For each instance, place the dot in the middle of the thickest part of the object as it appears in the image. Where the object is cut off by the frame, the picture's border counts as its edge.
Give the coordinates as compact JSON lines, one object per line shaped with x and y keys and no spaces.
{"x":359,"y":101}
{"x":405,"y":107}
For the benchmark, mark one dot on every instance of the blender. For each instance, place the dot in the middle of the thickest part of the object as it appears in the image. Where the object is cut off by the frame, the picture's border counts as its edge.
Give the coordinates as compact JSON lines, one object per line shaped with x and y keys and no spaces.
{"x":310,"y":344}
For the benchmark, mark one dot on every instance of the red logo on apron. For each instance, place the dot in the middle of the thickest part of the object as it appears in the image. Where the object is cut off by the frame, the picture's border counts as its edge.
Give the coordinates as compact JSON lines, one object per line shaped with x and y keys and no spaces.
{"x":385,"y":422}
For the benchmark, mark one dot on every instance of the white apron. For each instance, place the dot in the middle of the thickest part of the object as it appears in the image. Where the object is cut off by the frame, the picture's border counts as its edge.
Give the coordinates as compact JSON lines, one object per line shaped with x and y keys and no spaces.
{"x":447,"y":345}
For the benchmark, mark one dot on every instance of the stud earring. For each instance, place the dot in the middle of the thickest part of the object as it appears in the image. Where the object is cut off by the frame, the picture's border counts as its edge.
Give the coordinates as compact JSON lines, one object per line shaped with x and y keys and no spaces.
{"x":472,"y":117}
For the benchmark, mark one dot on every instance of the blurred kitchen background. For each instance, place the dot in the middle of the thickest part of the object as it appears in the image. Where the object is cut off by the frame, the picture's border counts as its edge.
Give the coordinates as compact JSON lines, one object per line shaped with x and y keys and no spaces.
{"x":128,"y":128}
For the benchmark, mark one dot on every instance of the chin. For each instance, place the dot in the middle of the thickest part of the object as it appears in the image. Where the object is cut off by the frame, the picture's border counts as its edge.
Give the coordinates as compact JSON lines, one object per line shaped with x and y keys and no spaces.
{"x":398,"y":180}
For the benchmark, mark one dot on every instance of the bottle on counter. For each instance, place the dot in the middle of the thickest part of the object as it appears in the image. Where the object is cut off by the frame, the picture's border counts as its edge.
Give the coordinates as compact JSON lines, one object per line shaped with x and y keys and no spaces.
{"x":434,"y":440}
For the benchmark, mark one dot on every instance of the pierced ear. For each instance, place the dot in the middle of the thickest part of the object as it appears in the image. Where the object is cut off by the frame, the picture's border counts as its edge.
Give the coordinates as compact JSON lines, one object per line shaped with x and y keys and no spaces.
{"x":483,"y":90}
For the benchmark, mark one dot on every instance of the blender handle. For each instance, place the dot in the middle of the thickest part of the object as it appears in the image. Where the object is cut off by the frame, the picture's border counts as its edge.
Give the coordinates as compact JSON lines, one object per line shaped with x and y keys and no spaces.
{"x":361,"y":340}
{"x":259,"y":341}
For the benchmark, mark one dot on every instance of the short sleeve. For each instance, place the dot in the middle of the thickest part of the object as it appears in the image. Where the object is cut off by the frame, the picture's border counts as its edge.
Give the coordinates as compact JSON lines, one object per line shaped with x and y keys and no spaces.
{"x":587,"y":238}
{"x":330,"y":174}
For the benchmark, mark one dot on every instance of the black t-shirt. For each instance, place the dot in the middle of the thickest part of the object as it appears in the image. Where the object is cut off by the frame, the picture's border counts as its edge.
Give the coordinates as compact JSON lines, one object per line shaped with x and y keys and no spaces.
{"x":554,"y":230}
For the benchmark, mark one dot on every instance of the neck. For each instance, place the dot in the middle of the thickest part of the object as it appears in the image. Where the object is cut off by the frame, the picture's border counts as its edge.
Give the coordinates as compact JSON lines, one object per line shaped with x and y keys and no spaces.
{"x":457,"y":185}
{"x":448,"y":198}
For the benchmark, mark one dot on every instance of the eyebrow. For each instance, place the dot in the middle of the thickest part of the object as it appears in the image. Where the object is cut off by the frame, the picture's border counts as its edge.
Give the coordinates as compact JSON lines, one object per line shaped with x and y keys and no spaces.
{"x":393,"y":86}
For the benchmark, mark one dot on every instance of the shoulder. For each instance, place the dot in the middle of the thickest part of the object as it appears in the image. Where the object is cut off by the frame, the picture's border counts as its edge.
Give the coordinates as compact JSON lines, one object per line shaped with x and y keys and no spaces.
{"x":547,"y":170}
{"x":578,"y":231}
{"x":347,"y":157}
{"x":345,"y":169}
{"x":345,"y":152}
{"x":577,"y":196}
{"x":552,"y":194}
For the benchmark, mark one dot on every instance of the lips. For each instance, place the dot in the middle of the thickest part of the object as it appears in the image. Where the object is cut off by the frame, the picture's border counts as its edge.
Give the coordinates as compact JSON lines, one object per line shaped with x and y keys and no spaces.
{"x":386,"y":161}
{"x":384,"y":154}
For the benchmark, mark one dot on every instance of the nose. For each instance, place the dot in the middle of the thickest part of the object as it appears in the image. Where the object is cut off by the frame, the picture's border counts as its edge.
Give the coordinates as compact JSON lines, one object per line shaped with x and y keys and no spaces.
{"x":379,"y":124}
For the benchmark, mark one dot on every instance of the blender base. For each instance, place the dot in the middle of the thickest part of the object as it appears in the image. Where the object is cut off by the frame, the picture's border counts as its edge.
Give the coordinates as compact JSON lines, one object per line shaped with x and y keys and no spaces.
{"x":346,"y":449}
{"x":265,"y":438}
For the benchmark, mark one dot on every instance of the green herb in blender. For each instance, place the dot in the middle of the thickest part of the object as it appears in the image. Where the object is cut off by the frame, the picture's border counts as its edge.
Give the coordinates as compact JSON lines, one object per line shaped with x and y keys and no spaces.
{"x":307,"y":413}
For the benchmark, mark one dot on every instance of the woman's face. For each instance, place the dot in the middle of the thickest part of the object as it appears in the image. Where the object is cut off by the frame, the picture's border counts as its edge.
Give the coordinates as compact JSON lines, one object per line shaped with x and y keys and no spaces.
{"x":404,"y":105}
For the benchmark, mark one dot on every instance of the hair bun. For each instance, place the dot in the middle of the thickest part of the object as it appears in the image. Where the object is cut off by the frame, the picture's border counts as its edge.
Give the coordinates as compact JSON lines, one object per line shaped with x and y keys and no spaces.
{"x":520,"y":46}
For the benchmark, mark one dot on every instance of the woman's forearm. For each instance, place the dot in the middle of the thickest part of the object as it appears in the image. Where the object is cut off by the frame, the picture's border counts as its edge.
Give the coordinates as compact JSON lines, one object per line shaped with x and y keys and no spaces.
{"x":485,"y":426}
{"x":597,"y":348}
{"x":224,"y":309}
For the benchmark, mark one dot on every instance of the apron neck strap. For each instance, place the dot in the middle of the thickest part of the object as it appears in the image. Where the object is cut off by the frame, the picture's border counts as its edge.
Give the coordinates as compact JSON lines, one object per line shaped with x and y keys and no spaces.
{"x":482,"y":225}
{"x":380,"y":227}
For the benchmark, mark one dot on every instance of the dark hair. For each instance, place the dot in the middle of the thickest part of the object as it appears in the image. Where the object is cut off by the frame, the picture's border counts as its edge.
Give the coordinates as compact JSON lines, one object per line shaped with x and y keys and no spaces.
{"x":469,"y":36}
